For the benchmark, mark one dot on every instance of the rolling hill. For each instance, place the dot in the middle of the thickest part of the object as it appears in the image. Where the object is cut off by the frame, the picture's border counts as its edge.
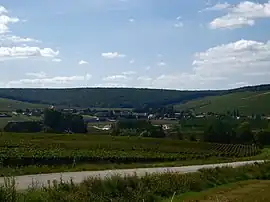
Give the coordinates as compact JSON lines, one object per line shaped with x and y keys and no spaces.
{"x":7,"y":105}
{"x":256,"y":102}
{"x":133,"y":97}
{"x":103,"y":97}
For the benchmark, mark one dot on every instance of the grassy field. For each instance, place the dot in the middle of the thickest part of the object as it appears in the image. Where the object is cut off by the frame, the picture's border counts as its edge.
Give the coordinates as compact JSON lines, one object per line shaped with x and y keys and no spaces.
{"x":246,"y":102}
{"x":7,"y":105}
{"x":246,"y":191}
{"x":156,"y":187}
{"x":26,"y":153}
{"x":5,"y":120}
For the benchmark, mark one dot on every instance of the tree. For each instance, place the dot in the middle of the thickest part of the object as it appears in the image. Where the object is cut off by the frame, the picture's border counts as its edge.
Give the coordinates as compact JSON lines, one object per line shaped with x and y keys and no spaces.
{"x":219,"y":131}
{"x":263,"y":137}
{"x":192,"y":138}
{"x":244,"y":134}
{"x":57,"y":121}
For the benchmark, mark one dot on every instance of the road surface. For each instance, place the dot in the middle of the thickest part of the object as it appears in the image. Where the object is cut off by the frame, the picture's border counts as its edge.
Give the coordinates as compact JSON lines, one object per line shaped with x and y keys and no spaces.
{"x":39,"y":180}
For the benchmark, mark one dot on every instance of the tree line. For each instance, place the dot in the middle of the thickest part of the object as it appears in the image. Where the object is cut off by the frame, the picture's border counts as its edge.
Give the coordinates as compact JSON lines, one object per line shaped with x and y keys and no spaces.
{"x":224,"y":131}
{"x":53,"y":122}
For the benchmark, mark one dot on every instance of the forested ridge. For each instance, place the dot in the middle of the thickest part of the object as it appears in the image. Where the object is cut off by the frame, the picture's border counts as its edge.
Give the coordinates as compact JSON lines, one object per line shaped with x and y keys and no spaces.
{"x":113,"y":97}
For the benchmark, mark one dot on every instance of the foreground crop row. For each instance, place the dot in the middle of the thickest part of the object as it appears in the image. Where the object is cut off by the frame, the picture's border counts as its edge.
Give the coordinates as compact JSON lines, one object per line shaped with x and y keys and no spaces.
{"x":44,"y":149}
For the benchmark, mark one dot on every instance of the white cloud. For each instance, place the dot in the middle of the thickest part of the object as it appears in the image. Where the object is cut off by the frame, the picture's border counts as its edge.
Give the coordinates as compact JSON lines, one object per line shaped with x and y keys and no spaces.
{"x":45,"y":81}
{"x":238,"y":57}
{"x":111,"y":85}
{"x":131,"y":61}
{"x":229,"y":65}
{"x":112,"y":55}
{"x":144,"y":81}
{"x":37,"y":74}
{"x":26,"y":52}
{"x":178,"y":24}
{"x":243,"y":14}
{"x":17,"y":39}
{"x":147,"y":68}
{"x":257,"y":74}
{"x":238,"y":84}
{"x":131,"y":20}
{"x":57,"y":60}
{"x":217,"y":7}
{"x":3,"y":10}
{"x":10,"y":49}
{"x":179,"y":18}
{"x":161,"y":64}
{"x":6,"y":20}
{"x":88,"y":77}
{"x":129,"y":73}
{"x":117,"y":78}
{"x":82,"y":62}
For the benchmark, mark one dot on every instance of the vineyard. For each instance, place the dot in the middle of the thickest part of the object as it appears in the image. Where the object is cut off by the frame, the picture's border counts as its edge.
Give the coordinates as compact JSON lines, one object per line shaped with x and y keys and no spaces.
{"x":50,"y":149}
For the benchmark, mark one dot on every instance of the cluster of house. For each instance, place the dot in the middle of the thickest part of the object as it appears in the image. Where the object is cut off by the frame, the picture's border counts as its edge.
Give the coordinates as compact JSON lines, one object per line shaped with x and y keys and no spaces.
{"x":99,"y":115}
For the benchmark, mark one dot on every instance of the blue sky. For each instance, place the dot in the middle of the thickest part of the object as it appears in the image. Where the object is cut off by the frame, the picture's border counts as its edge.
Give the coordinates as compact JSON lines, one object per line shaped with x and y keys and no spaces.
{"x":134,"y":43}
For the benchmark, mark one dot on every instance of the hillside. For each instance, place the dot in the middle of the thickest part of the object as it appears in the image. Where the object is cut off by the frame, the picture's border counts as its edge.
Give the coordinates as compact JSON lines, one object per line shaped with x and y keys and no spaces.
{"x":115,"y":97}
{"x":246,"y":102}
{"x":7,"y":105}
{"x":103,"y":97}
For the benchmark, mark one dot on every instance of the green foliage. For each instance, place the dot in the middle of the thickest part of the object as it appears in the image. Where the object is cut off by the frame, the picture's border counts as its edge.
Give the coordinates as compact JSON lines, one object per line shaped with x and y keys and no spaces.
{"x":263,"y":137}
{"x":224,"y":131}
{"x":244,"y":134}
{"x":57,"y":121}
{"x":219,"y":131}
{"x":24,"y":127}
{"x":135,"y":127}
{"x":148,"y":188}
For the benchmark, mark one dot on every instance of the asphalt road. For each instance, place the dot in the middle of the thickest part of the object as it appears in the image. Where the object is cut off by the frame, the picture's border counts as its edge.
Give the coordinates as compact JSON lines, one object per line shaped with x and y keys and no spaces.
{"x":39,"y":180}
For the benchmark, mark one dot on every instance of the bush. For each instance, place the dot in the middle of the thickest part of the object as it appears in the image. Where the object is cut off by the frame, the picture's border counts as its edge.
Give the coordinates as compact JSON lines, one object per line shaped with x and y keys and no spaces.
{"x":24,"y":127}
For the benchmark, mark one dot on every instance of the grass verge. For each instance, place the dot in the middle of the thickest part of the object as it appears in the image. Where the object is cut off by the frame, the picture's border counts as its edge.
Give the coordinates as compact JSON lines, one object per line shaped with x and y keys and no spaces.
{"x":149,"y":188}
{"x":248,"y":191}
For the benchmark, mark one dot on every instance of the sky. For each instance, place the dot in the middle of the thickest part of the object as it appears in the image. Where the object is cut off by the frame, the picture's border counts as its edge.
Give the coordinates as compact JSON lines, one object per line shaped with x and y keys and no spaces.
{"x":168,"y":44}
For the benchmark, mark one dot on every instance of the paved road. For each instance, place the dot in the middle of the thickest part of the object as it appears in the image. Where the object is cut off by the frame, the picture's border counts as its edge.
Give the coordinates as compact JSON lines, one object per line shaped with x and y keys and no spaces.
{"x":26,"y":181}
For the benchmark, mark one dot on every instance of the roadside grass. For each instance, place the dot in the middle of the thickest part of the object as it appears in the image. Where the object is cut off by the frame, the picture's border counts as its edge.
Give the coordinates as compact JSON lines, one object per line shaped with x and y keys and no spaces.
{"x":246,"y":191}
{"x":149,"y":188}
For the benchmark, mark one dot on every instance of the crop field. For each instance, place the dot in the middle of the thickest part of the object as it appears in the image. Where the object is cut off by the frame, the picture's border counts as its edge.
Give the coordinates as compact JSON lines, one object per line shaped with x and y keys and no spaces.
{"x":52,"y":149}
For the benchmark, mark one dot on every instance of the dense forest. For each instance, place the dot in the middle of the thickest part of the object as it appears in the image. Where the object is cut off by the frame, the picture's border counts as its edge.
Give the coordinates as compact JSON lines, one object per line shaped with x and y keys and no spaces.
{"x":112,"y":97}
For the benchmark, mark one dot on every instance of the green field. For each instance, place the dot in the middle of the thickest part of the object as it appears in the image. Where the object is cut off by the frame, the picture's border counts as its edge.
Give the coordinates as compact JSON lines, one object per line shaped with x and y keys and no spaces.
{"x":247,"y":103}
{"x":5,"y":120}
{"x":23,"y":150}
{"x":7,"y":105}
